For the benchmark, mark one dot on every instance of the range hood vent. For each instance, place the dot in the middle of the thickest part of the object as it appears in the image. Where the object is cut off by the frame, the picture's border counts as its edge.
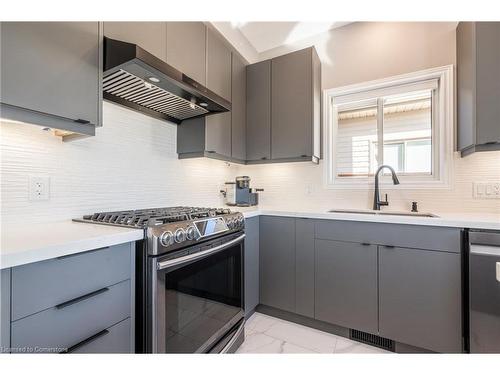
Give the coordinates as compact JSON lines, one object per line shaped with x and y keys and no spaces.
{"x":138,"y":80}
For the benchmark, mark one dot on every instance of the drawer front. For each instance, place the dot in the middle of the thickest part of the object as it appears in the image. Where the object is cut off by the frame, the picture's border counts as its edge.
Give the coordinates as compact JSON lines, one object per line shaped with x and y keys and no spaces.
{"x":402,"y":235}
{"x":115,"y":339}
{"x":39,"y":286}
{"x":65,"y":326}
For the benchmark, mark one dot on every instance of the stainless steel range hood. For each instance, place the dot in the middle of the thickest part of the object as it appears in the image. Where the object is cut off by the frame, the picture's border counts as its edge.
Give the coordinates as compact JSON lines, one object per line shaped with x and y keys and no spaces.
{"x":139,"y":80}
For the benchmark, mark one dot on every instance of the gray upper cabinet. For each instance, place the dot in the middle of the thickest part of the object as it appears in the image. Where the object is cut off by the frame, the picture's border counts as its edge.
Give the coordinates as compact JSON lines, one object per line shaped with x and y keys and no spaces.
{"x":151,"y":36}
{"x":283,"y":106}
{"x":186,"y":49}
{"x":218,"y":127}
{"x":258,"y":102}
{"x":420,"y":298}
{"x":238,"y":108}
{"x":51,"y":74}
{"x":218,"y":65}
{"x":346,"y":284}
{"x":291,"y":98}
{"x":277,"y":262}
{"x":478,"y":79}
{"x":218,"y":135}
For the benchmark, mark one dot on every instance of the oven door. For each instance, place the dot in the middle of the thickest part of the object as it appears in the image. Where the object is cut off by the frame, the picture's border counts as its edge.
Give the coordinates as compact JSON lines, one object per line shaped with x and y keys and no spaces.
{"x":197,"y":298}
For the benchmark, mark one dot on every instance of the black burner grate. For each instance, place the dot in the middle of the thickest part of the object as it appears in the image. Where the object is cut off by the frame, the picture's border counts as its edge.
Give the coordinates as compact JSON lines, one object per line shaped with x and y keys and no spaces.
{"x":154,"y":216}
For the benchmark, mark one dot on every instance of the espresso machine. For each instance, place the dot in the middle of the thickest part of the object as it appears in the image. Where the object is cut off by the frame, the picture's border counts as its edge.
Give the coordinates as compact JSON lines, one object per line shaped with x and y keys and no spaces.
{"x":239,"y":193}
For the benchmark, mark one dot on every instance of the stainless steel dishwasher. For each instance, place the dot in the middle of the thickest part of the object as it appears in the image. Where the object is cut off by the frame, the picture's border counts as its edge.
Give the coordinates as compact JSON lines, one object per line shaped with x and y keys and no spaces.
{"x":484,"y":291}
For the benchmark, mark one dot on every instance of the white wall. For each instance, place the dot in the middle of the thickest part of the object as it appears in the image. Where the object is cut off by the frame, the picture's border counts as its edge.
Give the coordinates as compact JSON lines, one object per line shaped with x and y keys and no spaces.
{"x":131,"y":163}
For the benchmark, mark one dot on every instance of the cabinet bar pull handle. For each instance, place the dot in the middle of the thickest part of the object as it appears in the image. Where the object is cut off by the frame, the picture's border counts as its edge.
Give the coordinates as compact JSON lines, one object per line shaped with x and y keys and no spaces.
{"x":365,"y":244}
{"x":390,"y":246}
{"x":498,"y":271}
{"x":81,"y":298}
{"x":85,"y":342}
{"x":82,"y":121}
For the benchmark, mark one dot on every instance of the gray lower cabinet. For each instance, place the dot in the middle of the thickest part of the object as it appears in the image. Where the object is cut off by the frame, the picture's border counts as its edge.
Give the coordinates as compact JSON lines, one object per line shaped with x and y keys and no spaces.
{"x":402,"y":282}
{"x":51,"y":74}
{"x":74,"y":303}
{"x":420,"y":298}
{"x":64,"y":326}
{"x":277,"y":262}
{"x":115,"y":339}
{"x":258,"y":114}
{"x":346,"y":284}
{"x":186,"y":49}
{"x":151,"y":36}
{"x":304,"y":267}
{"x":286,"y":258}
{"x":251,"y":272}
{"x":478,"y":86}
{"x":5,"y":310}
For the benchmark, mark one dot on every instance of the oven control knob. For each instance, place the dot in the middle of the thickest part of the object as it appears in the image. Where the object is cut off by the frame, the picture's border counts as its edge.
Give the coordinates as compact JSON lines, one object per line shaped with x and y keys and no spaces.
{"x":167,"y":238}
{"x":191,"y":233}
{"x":230,"y":223}
{"x":180,"y":235}
{"x":241,"y":221}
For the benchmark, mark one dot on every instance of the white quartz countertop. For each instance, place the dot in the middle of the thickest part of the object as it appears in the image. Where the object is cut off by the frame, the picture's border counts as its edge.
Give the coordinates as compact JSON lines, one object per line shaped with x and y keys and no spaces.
{"x":33,"y":243}
{"x":456,"y":220}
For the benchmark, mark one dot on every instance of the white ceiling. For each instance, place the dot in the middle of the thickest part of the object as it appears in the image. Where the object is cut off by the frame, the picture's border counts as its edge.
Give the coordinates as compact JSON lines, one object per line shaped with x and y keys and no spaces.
{"x":264,"y":36}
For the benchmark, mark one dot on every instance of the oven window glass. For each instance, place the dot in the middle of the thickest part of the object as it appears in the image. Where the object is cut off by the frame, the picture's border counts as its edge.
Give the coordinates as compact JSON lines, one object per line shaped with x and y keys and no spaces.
{"x":201,"y":298}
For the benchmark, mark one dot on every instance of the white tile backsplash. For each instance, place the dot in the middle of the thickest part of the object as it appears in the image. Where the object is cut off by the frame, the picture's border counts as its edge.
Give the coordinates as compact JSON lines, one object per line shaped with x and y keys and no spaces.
{"x":132,"y":163}
{"x":301,"y":186}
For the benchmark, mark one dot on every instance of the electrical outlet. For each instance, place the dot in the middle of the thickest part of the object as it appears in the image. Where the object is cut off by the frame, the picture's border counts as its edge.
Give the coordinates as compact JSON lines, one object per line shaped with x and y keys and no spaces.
{"x":486,"y":190}
{"x":39,"y":188}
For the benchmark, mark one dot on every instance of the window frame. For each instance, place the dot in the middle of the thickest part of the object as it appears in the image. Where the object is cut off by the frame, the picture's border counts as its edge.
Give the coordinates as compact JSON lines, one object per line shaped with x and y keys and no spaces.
{"x":442,"y":131}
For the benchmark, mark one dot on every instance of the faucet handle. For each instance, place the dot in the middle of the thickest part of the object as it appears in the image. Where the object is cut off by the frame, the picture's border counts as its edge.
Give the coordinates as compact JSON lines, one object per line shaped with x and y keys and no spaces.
{"x":384,"y":203}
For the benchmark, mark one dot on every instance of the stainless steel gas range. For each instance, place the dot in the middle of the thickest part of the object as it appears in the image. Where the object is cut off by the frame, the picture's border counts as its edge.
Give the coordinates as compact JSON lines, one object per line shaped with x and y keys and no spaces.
{"x":189,"y":278}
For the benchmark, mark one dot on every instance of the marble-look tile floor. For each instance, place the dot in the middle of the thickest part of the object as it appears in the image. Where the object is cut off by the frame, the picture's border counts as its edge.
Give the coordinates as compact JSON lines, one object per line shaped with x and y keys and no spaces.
{"x":266,"y":334}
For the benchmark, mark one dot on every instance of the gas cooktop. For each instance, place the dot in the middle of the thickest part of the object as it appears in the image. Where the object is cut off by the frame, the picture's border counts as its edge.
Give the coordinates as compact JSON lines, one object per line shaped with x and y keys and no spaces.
{"x":152,"y":216}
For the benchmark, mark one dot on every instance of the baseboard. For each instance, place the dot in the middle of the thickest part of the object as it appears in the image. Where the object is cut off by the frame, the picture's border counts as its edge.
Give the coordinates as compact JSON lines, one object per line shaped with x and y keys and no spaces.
{"x":328,"y":327}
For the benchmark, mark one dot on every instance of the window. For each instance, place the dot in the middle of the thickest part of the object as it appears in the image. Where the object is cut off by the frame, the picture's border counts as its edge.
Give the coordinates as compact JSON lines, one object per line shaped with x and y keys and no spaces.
{"x":405,"y":122}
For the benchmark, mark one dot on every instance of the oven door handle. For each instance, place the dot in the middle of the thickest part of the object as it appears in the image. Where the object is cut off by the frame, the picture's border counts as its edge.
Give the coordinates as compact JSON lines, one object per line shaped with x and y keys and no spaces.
{"x":231,"y":342}
{"x":201,"y":254}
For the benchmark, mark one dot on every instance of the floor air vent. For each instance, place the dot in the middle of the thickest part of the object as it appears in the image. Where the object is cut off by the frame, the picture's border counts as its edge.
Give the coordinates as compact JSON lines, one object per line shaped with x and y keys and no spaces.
{"x":370,"y":339}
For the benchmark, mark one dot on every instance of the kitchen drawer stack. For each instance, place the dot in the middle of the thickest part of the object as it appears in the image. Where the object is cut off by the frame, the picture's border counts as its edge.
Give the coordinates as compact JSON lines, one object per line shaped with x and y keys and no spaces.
{"x":80,"y":303}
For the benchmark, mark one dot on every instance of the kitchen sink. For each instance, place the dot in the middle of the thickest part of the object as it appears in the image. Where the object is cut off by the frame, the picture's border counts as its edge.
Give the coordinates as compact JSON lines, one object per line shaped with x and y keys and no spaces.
{"x":373,"y":212}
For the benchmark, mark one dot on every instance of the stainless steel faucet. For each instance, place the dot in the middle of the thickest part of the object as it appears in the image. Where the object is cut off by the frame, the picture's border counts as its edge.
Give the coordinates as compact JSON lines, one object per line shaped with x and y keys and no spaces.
{"x":376,"y":197}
